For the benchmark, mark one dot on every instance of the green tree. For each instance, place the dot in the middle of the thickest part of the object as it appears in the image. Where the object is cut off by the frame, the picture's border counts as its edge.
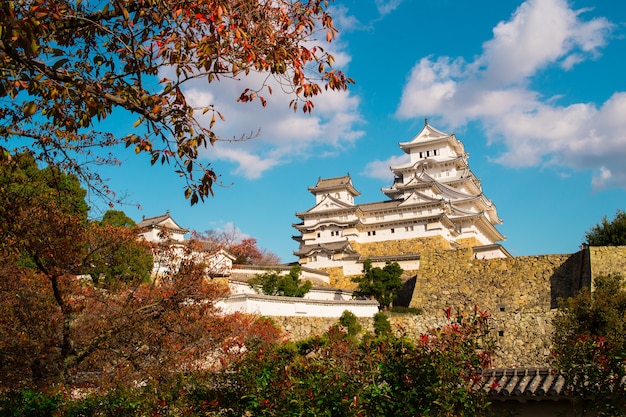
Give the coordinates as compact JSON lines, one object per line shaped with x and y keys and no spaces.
{"x":43,"y":215}
{"x":381,"y":284}
{"x":608,"y":233}
{"x":117,"y":218}
{"x":273,"y":283}
{"x":67,"y":65}
{"x":590,"y":344}
{"x":115,"y":254}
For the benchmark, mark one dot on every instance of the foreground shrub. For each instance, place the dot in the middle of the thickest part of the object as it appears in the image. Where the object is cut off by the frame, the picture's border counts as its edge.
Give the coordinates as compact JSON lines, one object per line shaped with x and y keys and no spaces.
{"x":335,"y":374}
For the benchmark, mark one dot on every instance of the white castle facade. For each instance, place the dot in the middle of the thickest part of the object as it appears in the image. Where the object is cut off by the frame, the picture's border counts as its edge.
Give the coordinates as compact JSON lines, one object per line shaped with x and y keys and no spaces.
{"x":434,"y":203}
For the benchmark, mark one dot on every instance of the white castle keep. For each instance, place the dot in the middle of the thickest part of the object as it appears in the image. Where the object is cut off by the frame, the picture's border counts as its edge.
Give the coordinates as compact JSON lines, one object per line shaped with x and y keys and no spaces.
{"x":434,"y":203}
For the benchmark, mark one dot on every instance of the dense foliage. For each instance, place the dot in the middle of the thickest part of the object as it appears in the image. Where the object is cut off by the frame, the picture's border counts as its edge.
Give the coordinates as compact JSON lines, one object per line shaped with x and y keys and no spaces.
{"x":590,"y":343}
{"x":115,"y":255}
{"x":381,"y":284}
{"x":59,"y":326}
{"x":608,"y":233}
{"x":286,"y":285}
{"x":334,"y":374}
{"x":67,"y":65}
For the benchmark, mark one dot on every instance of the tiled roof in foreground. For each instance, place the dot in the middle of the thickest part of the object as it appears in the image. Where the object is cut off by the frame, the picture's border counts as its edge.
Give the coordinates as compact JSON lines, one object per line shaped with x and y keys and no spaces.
{"x":527,"y":382}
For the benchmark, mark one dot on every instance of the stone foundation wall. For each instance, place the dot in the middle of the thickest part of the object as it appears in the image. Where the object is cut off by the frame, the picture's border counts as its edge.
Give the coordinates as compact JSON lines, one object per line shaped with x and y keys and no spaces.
{"x":512,"y":352}
{"x":468,"y":242}
{"x":607,"y":260}
{"x":456,"y":279}
{"x":520,"y":293}
{"x":338,"y":279}
{"x":400,"y":247}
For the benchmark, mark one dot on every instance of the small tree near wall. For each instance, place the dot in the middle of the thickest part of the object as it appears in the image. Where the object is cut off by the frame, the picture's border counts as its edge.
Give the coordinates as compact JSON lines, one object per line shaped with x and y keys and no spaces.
{"x":381,"y":284}
{"x":272,"y":283}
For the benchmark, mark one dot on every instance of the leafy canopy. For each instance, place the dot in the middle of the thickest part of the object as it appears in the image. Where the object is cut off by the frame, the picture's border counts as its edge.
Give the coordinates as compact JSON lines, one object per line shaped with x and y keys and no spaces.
{"x":608,"y":233}
{"x":117,"y":218}
{"x":67,"y":65}
{"x":382,"y":284}
{"x":43,"y":215}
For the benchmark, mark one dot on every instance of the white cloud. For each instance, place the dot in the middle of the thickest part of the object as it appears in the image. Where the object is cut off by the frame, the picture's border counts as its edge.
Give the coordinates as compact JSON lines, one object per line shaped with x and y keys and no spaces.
{"x":494,"y":90}
{"x":385,"y":7}
{"x":279,"y":135}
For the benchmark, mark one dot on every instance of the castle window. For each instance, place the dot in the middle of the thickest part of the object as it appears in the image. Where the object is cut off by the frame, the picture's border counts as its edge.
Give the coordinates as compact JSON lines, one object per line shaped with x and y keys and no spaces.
{"x":393,"y":230}
{"x":501,"y":333}
{"x":319,"y":234}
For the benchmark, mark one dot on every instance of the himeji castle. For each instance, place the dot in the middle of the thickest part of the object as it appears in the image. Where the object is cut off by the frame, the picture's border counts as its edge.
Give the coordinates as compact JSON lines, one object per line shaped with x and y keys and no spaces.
{"x":435,"y":203}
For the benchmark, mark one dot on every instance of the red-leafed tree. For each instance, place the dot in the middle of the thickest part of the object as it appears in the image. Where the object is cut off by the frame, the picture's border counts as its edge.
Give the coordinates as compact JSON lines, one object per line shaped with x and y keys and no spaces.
{"x":245,"y":249}
{"x":60,"y":326}
{"x":67,"y":65}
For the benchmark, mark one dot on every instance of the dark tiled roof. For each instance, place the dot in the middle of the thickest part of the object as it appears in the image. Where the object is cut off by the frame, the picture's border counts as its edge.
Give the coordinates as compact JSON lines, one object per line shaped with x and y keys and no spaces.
{"x":526,"y":382}
{"x":324,"y":184}
{"x":157,"y":220}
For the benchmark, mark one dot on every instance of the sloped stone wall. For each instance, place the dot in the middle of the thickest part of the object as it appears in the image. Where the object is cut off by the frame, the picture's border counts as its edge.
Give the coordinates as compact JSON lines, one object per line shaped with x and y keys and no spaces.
{"x":456,"y":279}
{"x":520,"y":293}
{"x":338,"y":279}
{"x":297,"y":328}
{"x":401,"y":247}
{"x":468,"y":242}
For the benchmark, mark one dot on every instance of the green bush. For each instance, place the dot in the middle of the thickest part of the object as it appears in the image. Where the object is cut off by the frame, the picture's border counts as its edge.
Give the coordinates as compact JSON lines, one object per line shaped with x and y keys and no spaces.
{"x":382,"y":326}
{"x":350,"y":322}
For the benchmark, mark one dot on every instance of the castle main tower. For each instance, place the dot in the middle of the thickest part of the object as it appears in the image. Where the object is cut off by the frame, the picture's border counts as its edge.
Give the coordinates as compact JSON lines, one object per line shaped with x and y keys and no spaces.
{"x":434,"y":203}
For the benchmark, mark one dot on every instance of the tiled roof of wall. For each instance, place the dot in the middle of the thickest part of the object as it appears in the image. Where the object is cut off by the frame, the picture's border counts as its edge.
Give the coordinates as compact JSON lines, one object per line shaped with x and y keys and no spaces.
{"x":528,"y":382}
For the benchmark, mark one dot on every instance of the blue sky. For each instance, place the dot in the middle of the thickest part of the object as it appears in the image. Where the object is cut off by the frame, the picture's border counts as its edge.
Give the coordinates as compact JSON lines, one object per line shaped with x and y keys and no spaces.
{"x":535,"y":90}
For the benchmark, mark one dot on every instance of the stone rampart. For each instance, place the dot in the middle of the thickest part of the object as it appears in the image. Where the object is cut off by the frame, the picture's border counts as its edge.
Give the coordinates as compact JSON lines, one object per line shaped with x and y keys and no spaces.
{"x":534,"y":329}
{"x":607,"y":260}
{"x":400,"y":247}
{"x":456,"y":279}
{"x":469,"y":242}
{"x":520,"y":293}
